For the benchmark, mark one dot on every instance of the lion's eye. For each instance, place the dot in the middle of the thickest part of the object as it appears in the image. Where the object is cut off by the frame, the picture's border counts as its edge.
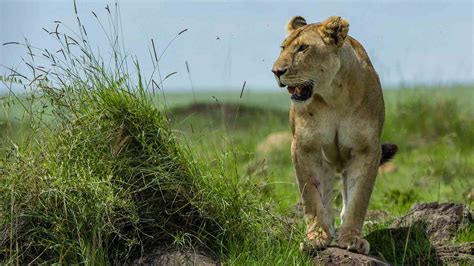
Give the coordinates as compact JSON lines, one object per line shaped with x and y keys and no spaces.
{"x":302,"y":48}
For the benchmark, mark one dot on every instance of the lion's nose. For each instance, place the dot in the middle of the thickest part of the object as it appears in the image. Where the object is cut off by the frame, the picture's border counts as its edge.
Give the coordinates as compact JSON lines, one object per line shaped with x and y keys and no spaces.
{"x":279,"y":71}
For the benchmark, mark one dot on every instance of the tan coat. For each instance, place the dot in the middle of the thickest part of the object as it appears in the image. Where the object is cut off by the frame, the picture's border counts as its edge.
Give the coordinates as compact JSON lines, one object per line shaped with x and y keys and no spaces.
{"x":336,"y":116}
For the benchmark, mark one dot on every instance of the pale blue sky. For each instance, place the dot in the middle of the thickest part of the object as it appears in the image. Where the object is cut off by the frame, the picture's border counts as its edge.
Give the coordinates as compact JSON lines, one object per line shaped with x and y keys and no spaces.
{"x":409,"y":42}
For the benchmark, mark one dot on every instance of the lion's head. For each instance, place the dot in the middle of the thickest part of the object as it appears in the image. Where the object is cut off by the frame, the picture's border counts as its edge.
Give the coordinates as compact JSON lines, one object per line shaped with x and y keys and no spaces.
{"x":309,"y":57}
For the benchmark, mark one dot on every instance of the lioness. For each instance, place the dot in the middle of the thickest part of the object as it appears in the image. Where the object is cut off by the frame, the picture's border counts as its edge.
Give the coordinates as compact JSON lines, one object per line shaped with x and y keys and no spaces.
{"x":336,"y":116}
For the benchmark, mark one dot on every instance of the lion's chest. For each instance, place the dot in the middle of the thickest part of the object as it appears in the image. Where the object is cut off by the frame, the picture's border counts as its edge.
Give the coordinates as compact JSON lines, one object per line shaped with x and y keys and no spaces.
{"x":320,"y":134}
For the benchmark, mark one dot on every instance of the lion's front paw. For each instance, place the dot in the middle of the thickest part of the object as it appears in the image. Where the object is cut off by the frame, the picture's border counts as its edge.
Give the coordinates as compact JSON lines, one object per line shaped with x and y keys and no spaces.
{"x":353,"y":242}
{"x":316,"y":239}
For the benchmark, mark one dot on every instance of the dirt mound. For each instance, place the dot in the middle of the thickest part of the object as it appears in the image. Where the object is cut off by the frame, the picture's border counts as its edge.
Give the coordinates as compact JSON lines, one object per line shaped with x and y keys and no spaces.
{"x":443,"y":220}
{"x":274,"y":141}
{"x":424,"y":236}
{"x":175,"y":257}
{"x":441,"y":223}
{"x":227,"y":111}
{"x":338,"y":256}
{"x":206,"y":108}
{"x":457,"y":254}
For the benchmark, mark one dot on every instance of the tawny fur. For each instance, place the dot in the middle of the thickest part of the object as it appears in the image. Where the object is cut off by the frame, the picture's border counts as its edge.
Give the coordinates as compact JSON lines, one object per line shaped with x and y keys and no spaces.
{"x":336,"y":131}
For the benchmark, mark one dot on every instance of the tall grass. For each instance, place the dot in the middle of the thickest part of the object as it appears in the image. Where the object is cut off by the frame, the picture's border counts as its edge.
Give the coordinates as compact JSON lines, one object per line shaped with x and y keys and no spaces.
{"x":424,"y":117}
{"x":100,"y":178}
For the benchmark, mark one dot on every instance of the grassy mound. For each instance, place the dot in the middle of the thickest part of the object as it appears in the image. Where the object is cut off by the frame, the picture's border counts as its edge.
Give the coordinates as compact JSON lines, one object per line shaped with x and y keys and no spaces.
{"x":111,"y":179}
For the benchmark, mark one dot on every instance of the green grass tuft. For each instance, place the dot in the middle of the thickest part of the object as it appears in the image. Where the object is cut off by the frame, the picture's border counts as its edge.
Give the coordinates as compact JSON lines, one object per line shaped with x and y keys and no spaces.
{"x":403,"y":246}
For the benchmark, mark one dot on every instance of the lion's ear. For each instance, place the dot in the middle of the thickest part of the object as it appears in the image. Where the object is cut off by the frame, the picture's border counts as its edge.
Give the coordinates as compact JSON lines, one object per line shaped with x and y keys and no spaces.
{"x":334,"y":30}
{"x":294,"y":23}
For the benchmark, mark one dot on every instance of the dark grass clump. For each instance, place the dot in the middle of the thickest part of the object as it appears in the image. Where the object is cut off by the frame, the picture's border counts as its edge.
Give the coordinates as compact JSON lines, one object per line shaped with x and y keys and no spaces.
{"x":99,"y":177}
{"x":403,"y":246}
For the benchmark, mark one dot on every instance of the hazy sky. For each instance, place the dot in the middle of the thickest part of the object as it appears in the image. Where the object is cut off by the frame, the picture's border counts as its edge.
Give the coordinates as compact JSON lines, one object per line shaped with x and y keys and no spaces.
{"x":229,"y":42}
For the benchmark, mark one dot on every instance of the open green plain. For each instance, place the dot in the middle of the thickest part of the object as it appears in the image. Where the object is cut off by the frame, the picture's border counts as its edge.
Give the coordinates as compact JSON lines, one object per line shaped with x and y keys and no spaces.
{"x":434,"y":128}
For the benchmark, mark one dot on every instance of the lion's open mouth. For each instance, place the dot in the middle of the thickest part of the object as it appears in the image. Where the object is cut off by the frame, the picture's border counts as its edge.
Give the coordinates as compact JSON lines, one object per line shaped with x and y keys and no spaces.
{"x":301,"y":92}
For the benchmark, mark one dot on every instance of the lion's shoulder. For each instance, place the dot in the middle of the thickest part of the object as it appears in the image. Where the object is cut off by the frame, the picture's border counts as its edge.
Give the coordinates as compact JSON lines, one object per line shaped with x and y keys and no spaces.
{"x":359,"y":50}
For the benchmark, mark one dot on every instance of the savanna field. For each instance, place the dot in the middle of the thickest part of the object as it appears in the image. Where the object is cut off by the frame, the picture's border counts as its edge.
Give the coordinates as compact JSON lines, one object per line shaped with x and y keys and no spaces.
{"x":101,"y":165}
{"x":242,"y":145}
{"x":432,"y":126}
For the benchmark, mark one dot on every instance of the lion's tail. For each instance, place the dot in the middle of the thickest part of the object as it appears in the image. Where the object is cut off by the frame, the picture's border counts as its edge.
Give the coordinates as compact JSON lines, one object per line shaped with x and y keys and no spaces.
{"x":388,"y":151}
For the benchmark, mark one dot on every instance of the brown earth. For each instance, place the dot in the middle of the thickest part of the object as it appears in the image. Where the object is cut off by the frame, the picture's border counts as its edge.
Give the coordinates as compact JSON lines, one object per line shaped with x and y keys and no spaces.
{"x":443,"y":220}
{"x":337,"y":256}
{"x":175,"y":258}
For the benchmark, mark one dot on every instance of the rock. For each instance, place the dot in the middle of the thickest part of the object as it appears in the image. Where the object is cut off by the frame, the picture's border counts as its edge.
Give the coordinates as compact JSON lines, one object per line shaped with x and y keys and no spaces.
{"x":441,"y":223}
{"x":338,"y":256}
{"x":456,"y":254}
{"x":275,"y":141}
{"x":175,"y":258}
{"x":443,"y":220}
